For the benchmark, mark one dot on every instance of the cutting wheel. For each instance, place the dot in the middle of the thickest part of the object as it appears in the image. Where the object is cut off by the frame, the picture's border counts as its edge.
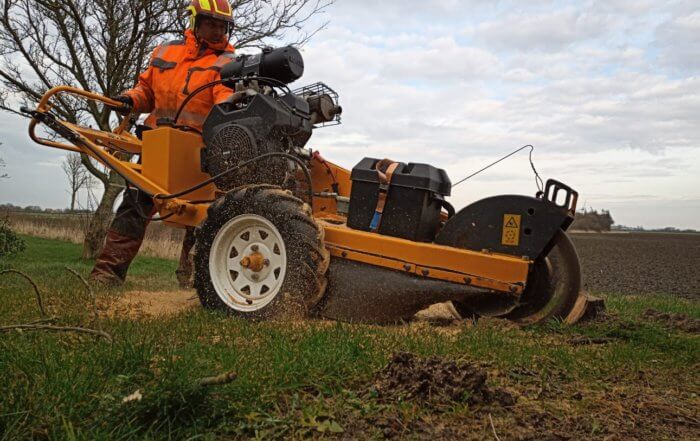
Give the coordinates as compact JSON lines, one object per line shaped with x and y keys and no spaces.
{"x":552,"y":289}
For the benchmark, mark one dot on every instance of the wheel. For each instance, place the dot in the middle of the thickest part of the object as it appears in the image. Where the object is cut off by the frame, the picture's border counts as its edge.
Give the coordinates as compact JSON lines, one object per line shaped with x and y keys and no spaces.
{"x":260,"y":255}
{"x":553,"y":285}
{"x":551,"y":293}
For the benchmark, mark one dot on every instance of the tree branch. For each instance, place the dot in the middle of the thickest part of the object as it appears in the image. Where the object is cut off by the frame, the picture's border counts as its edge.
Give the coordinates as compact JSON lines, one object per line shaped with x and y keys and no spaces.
{"x":39,"y":300}
{"x":39,"y":327}
{"x":90,"y":294}
{"x":217,"y":380}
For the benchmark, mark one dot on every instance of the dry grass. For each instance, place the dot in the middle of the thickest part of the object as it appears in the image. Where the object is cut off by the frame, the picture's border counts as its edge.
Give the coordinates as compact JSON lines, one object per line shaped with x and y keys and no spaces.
{"x":161,"y":241}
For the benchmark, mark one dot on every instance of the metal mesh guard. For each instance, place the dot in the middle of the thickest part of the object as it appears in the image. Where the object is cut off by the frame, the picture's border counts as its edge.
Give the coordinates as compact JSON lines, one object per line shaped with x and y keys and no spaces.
{"x":233,"y":142}
{"x":230,"y":146}
{"x":318,"y":89}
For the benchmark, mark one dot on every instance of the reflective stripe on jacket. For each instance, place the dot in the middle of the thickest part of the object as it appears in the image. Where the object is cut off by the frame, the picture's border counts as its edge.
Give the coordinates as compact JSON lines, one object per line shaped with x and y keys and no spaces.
{"x":177,"y":68}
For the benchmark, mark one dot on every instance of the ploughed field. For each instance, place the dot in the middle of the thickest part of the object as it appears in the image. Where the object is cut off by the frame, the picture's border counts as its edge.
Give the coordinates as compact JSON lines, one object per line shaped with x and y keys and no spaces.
{"x":640,"y":263}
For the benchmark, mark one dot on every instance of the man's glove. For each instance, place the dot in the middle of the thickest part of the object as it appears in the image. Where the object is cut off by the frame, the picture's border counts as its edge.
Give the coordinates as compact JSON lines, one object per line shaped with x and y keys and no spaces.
{"x":125,"y":107}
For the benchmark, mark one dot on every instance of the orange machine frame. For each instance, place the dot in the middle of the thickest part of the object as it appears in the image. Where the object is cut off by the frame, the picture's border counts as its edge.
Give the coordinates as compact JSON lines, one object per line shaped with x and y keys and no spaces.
{"x":171,"y":163}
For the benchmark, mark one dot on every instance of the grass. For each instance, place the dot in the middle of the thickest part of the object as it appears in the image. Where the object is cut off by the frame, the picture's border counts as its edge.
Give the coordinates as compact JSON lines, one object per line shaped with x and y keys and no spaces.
{"x":308,"y":379}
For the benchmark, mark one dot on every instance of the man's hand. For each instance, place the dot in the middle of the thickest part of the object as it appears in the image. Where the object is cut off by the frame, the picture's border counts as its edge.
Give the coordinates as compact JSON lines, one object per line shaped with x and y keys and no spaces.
{"x":125,"y":107}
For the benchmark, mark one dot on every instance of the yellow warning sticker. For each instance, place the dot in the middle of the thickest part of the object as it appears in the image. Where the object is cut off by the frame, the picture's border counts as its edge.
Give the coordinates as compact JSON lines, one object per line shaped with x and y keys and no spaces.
{"x":511,"y":230}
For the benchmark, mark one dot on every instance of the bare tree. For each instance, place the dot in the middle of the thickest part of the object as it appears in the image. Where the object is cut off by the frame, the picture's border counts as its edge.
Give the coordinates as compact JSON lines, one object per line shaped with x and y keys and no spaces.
{"x":3,"y":165}
{"x":78,"y":176}
{"x":102,"y":46}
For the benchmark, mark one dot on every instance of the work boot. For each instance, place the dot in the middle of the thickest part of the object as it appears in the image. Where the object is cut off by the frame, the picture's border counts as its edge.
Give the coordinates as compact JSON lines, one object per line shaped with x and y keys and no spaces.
{"x":114,"y":260}
{"x":185,"y":269}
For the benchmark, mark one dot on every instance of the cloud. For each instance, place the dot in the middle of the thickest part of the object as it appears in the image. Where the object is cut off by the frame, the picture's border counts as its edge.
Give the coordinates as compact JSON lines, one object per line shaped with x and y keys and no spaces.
{"x":608,"y":91}
{"x":678,"y":42}
{"x":544,"y":31}
{"x":582,"y":83}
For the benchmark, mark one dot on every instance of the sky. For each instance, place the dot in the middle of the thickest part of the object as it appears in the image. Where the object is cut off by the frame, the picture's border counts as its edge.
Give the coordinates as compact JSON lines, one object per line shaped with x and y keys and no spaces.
{"x":608,"y":92}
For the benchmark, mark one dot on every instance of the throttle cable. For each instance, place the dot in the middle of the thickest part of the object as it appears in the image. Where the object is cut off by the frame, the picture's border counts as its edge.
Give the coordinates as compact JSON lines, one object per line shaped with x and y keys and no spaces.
{"x":538,"y":179}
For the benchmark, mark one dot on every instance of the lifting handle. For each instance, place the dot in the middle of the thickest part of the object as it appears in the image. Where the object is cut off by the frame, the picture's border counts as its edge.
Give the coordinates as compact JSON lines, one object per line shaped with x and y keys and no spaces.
{"x":552,"y":190}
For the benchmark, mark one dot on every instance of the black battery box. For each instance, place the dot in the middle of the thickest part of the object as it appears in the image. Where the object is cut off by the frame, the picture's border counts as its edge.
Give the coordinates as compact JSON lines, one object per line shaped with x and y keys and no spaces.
{"x":414,"y":198}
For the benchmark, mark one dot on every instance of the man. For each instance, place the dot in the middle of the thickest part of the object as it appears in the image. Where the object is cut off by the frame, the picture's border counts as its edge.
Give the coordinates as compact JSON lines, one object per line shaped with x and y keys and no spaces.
{"x":176,"y":69}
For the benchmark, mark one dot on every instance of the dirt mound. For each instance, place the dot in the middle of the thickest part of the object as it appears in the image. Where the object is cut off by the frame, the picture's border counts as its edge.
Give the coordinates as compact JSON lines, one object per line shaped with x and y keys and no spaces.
{"x":436,"y":381}
{"x":678,"y":321}
{"x":143,"y":304}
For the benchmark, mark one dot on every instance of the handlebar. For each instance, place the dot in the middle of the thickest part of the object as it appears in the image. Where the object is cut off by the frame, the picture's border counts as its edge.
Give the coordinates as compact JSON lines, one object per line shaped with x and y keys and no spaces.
{"x":45,"y":107}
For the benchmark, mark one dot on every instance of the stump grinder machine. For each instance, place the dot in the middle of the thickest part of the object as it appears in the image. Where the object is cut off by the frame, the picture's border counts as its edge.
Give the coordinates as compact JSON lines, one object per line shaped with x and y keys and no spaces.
{"x":280,"y":229}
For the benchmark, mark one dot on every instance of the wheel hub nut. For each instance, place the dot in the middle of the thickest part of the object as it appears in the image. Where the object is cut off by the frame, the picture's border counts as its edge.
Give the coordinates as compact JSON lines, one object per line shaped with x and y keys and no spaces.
{"x":255,"y":262}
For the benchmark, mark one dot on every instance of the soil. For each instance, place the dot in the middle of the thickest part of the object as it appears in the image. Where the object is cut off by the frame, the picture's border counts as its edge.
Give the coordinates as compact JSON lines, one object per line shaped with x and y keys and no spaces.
{"x":435,"y":381}
{"x":640,"y":263}
{"x":677,"y":321}
{"x":144,"y":304}
{"x":540,"y":407}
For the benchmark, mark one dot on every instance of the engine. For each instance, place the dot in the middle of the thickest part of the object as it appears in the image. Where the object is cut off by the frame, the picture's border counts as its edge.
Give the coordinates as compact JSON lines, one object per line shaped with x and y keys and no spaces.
{"x":264,"y":116}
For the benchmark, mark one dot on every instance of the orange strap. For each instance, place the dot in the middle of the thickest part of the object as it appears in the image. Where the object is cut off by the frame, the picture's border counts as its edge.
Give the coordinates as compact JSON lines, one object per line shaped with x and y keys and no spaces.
{"x":384,"y":183}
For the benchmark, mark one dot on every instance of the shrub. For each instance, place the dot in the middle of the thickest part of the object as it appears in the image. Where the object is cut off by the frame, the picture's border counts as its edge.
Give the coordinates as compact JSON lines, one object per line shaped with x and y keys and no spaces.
{"x":593,"y":221}
{"x":10,"y":243}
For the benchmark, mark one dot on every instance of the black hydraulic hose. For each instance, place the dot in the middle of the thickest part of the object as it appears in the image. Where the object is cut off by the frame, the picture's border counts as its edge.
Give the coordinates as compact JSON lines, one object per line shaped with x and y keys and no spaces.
{"x":299,"y":162}
{"x":192,"y":95}
{"x":449,"y":208}
{"x":200,"y":89}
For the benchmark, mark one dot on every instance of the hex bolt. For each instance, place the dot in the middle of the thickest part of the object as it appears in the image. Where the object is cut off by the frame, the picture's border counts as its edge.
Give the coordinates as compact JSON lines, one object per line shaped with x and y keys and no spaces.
{"x":255,"y":277}
{"x":266,"y":262}
{"x":425,"y":272}
{"x":255,"y":248}
{"x":468,"y":280}
{"x":344,"y":254}
{"x":513,"y":289}
{"x":407,"y":267}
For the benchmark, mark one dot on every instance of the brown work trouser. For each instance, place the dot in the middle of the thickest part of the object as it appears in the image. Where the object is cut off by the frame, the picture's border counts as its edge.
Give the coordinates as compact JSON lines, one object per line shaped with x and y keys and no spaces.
{"x":124,"y":240}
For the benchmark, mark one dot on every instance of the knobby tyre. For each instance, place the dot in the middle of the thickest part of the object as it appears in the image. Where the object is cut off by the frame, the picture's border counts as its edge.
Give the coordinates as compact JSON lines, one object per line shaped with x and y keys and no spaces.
{"x":263,"y":223}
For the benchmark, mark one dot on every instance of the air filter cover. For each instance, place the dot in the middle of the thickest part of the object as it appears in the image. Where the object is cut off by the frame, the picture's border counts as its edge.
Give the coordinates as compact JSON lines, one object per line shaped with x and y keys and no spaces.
{"x":233,"y":145}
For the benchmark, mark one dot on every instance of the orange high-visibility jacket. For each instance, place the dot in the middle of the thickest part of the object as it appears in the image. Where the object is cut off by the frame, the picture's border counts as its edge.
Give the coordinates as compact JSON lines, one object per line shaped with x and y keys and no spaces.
{"x":177,"y":68}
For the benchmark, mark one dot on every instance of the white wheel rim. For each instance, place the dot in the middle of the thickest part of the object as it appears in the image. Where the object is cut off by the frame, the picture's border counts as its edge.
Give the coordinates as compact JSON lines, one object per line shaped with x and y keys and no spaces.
{"x":242,"y":288}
